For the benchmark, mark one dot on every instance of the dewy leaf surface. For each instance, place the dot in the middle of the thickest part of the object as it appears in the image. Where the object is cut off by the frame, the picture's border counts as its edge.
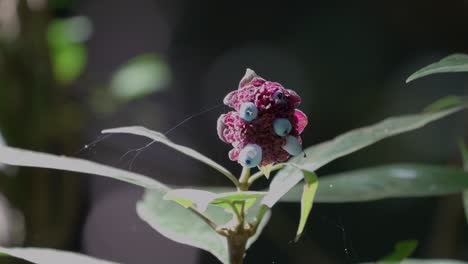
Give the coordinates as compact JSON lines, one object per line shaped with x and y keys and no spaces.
{"x":50,"y":256}
{"x":159,"y":137}
{"x":319,"y":155}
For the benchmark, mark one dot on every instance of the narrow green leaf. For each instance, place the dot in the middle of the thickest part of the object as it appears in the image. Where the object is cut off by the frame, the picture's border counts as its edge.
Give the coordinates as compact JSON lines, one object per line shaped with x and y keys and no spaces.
{"x":141,"y":76}
{"x":389,"y":181}
{"x":266,"y":170}
{"x":403,"y":249}
{"x":308,"y":194}
{"x":159,"y":137}
{"x":452,"y":63}
{"x":446,"y":102}
{"x":319,"y":155}
{"x":50,"y":256}
{"x":187,"y":197}
{"x":233,"y":197}
{"x":201,"y":198}
{"x":19,"y":157}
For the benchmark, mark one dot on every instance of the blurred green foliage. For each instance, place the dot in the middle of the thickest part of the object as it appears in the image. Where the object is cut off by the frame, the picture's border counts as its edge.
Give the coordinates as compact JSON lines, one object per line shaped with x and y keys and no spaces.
{"x":68,"y":53}
{"x":139,"y":77}
{"x":403,"y":249}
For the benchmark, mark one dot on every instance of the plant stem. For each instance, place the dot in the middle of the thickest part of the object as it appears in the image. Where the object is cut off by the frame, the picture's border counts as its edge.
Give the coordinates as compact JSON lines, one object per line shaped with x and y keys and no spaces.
{"x":244,"y":180}
{"x":259,"y":174}
{"x":236,"y":247}
{"x":240,"y":219}
{"x":204,"y":218}
{"x":238,"y":235}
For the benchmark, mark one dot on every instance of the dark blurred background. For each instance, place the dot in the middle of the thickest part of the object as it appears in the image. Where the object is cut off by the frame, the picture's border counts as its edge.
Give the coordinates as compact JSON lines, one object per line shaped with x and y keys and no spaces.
{"x":69,"y":69}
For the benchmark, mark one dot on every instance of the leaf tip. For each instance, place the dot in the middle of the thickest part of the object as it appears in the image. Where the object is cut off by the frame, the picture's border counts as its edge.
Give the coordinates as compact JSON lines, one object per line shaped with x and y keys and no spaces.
{"x":266,"y":170}
{"x":416,"y":75}
{"x":296,"y":239}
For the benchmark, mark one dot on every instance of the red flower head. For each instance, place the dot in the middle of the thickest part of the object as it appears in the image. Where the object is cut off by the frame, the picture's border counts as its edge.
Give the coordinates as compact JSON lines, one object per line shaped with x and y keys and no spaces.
{"x":265,"y":126}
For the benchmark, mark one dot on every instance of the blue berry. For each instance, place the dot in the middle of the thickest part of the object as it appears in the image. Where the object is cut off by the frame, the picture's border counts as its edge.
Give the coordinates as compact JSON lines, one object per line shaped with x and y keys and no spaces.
{"x":292,"y":146}
{"x":282,"y":126}
{"x":248,"y":111}
{"x":250,"y":156}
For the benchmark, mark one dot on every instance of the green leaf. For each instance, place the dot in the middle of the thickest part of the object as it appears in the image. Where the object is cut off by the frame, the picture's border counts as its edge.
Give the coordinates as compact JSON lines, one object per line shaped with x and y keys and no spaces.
{"x":65,"y":38}
{"x":68,"y":63}
{"x":64,"y":31}
{"x":389,"y":181}
{"x":183,"y":226}
{"x":174,"y":222}
{"x":307,"y":200}
{"x":403,"y":249}
{"x":50,"y":256}
{"x":266,"y":170}
{"x":201,"y":199}
{"x":139,"y":77}
{"x":26,"y":158}
{"x":159,"y":137}
{"x":188,"y":197}
{"x":452,"y":63}
{"x":319,"y":155}
{"x":233,"y":197}
{"x":446,"y":102}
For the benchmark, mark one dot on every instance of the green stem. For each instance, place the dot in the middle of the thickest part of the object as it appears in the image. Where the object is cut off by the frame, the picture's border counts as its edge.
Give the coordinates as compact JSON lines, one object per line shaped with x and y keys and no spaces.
{"x":231,"y":178}
{"x":260,"y":214}
{"x":244,"y":180}
{"x":204,"y":218}
{"x":260,"y":174}
{"x":240,"y":219}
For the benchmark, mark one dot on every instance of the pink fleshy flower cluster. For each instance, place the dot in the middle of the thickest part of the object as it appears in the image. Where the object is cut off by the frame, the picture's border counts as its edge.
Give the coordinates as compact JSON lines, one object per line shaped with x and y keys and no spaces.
{"x":259,"y":126}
